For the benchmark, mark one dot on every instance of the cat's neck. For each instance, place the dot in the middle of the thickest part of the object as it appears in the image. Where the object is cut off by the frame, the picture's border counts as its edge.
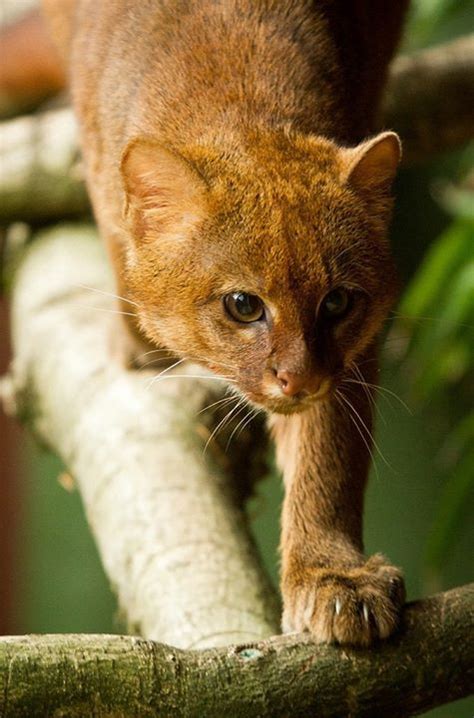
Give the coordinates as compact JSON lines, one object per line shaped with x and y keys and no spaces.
{"x":255,"y":64}
{"x":319,"y":66}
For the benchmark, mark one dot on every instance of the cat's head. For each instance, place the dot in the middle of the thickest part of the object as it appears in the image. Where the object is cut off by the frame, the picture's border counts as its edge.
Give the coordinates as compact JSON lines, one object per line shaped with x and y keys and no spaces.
{"x":268,"y":263}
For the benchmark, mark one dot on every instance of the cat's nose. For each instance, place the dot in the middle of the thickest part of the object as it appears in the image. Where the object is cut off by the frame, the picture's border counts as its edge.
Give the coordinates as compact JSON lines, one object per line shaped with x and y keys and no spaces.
{"x":291,"y":384}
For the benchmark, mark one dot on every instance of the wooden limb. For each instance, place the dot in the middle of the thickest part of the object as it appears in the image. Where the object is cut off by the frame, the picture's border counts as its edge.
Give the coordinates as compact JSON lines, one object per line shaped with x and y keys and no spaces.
{"x":40,"y":175}
{"x":429,"y":663}
{"x":170,"y":530}
{"x":430,"y":99}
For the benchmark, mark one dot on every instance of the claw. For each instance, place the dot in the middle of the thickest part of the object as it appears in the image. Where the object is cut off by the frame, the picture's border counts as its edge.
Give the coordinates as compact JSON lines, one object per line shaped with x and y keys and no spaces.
{"x":365,"y":611}
{"x":397,"y":591}
{"x":337,"y":606}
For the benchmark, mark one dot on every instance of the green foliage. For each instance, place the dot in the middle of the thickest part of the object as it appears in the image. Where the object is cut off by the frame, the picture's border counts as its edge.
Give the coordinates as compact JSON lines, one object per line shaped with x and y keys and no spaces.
{"x":434,"y":21}
{"x":438,"y":307}
{"x":437,"y":311}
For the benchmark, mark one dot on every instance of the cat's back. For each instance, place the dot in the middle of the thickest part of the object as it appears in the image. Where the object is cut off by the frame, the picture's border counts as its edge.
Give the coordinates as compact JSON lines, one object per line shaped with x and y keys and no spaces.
{"x":295,"y":60}
{"x":177,"y":69}
{"x":169,"y":68}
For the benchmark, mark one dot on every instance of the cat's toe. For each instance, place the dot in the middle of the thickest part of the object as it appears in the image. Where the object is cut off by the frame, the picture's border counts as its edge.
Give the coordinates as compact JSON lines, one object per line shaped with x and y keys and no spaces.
{"x":355,"y":607}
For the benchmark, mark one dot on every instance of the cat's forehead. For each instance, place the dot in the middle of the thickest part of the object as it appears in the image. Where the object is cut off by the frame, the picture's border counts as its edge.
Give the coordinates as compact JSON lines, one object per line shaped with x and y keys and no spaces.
{"x":290,"y":239}
{"x":283,"y":223}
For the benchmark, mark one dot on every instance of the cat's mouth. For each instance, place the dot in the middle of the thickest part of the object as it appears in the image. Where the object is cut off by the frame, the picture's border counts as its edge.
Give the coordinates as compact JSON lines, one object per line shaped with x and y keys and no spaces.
{"x":269,"y":395}
{"x":276,"y":402}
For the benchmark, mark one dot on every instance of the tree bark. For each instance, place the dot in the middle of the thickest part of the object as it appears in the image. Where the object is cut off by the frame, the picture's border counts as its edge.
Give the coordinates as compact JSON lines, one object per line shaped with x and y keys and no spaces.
{"x":430,"y":662}
{"x":430,"y":99}
{"x":40,"y":171}
{"x":166,"y":516}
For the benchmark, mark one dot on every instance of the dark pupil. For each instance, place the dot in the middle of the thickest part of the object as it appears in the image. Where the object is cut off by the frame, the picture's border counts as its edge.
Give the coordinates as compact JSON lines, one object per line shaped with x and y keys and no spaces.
{"x":246,"y":304}
{"x":336,"y":302}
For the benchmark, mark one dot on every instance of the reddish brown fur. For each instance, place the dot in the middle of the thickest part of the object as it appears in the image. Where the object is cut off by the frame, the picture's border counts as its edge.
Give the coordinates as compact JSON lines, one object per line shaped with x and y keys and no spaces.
{"x":211,"y":133}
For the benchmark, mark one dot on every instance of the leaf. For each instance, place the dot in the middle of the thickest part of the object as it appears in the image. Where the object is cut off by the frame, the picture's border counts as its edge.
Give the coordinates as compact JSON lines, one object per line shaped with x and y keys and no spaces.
{"x":446,"y":255}
{"x":452,"y":506}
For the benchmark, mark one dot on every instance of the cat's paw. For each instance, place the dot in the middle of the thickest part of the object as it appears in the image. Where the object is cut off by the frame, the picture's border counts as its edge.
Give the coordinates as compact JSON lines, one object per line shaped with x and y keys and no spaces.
{"x":355,"y":607}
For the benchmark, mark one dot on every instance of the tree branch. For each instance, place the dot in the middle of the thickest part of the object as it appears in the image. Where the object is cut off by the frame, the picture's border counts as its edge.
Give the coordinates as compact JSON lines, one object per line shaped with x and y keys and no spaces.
{"x":168,"y":522}
{"x":430,"y":662}
{"x":40,"y":175}
{"x":430,"y":99}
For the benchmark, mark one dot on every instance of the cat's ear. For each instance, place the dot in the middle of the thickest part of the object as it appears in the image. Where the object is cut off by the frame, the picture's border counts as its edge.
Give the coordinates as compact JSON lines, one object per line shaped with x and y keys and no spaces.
{"x":163,"y":192}
{"x":373,"y":164}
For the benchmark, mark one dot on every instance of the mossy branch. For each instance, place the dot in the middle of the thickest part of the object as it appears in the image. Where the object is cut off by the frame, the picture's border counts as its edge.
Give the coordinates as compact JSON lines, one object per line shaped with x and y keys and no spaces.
{"x":430,"y":662}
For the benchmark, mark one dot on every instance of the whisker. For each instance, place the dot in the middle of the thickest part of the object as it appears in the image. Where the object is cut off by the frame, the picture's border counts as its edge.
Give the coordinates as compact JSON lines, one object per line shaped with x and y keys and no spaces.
{"x":357,"y":414}
{"x":153,"y":361}
{"x":364,"y":362}
{"x":170,"y":354}
{"x":191,"y":359}
{"x":372,"y":438}
{"x":367,"y":390}
{"x":242,"y":424}
{"x":369,"y":433}
{"x":107,"y":294}
{"x":377,"y":387}
{"x":373,"y":403}
{"x":195,"y":376}
{"x":234,"y":430}
{"x":340,"y":396}
{"x":370,"y":396}
{"x":256,"y":412}
{"x":103,"y":309}
{"x":165,"y":371}
{"x":241,"y":403}
{"x":225,"y":400}
{"x":440,"y":320}
{"x":154,"y":351}
{"x":357,"y":372}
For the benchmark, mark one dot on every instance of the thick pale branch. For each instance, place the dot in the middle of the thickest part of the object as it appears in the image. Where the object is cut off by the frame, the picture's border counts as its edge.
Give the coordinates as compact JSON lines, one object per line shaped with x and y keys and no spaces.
{"x":429,"y":663}
{"x":430,"y":99}
{"x":161,"y":506}
{"x":40,"y":175}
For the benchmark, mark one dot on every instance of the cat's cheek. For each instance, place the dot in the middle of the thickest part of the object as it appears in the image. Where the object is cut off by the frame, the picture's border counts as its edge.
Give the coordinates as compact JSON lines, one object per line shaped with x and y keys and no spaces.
{"x":249,"y":382}
{"x":154,"y":332}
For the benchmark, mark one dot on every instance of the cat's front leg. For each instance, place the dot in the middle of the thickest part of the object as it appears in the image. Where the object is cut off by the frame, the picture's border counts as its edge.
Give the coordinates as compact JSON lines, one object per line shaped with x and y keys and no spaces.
{"x":329,"y":587}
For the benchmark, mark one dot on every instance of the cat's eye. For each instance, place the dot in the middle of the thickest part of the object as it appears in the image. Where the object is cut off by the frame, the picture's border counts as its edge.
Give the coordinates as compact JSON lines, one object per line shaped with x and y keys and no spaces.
{"x":336,"y":303}
{"x":244,"y":307}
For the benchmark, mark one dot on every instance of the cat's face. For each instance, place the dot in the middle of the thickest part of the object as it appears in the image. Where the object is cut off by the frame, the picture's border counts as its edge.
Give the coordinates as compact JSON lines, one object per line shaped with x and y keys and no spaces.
{"x":274,"y":270}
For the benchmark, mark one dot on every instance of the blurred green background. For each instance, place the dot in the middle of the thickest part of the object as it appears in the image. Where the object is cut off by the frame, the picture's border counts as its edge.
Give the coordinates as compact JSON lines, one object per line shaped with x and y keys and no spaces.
{"x":420,"y":496}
